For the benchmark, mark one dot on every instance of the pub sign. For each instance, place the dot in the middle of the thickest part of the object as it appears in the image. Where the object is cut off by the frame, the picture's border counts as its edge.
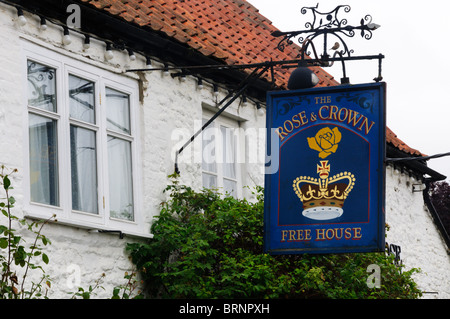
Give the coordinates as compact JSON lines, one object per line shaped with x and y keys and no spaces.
{"x":327,"y":193}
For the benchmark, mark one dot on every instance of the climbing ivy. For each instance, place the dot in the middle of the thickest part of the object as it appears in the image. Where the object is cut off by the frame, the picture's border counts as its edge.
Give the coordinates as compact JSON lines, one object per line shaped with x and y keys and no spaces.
{"x":207,"y":245}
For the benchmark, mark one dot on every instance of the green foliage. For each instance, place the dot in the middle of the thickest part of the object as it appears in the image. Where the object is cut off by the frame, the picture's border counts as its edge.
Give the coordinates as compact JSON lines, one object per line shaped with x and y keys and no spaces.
{"x":209,"y":246}
{"x":128,"y":291}
{"x":440,"y":197}
{"x":15,"y":255}
{"x":90,"y":291}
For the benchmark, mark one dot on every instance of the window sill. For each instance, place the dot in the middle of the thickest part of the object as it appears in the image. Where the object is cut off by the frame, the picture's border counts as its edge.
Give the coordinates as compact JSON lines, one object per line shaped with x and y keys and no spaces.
{"x":92,"y":228}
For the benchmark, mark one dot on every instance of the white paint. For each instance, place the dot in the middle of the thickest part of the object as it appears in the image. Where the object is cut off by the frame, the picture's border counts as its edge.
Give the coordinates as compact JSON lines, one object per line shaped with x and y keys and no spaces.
{"x":412,"y":228}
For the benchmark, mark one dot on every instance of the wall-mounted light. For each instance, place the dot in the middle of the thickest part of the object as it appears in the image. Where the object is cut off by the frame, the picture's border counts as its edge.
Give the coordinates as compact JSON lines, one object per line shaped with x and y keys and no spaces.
{"x":183,"y":78}
{"x":166,"y":69}
{"x":21,"y":19}
{"x":109,"y":53}
{"x":244,"y":100}
{"x":131,"y":55}
{"x":148,"y":62}
{"x":43,"y":25}
{"x":302,"y":78}
{"x":87,"y":42}
{"x":66,"y":38}
{"x":200,"y":84}
{"x":259,"y":109}
{"x":396,"y":170}
{"x":215,"y":90}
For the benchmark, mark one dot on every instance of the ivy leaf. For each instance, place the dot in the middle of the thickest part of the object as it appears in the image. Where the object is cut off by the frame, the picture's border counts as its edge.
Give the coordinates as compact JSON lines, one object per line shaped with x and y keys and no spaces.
{"x":3,"y":243}
{"x":6,"y":183}
{"x":45,"y":258}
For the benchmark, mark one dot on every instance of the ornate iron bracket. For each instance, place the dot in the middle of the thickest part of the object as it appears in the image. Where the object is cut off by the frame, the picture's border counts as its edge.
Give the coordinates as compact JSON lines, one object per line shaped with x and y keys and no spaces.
{"x":334,"y":29}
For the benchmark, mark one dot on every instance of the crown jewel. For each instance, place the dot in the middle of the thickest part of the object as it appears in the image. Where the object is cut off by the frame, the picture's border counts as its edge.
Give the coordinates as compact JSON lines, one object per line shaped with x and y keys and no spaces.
{"x":323,"y":198}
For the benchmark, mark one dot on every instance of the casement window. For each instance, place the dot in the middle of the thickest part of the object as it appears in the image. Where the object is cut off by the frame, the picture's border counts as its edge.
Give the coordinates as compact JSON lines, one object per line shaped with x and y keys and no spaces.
{"x":82,"y":142}
{"x":220,"y":153}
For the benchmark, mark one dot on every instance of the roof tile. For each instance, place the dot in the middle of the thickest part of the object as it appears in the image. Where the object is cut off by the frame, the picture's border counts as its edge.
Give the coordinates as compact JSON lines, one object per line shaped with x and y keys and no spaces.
{"x":231,"y":30}
{"x":392,"y":139}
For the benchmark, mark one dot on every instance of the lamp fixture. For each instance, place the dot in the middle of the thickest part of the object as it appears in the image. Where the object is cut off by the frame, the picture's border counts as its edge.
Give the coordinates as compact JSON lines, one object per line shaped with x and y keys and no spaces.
{"x":259,"y":109}
{"x":302,"y":78}
{"x":109,"y":53}
{"x":244,"y":100}
{"x":21,"y":19}
{"x":216,"y":90}
{"x":148,"y":62}
{"x":66,"y":38}
{"x":166,"y":69}
{"x":131,"y":55}
{"x":43,"y":25}
{"x":200,"y":84}
{"x":87,"y":42}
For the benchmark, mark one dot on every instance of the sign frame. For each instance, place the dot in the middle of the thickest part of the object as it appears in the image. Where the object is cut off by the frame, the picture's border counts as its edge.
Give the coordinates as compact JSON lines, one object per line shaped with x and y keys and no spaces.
{"x":312,"y":136}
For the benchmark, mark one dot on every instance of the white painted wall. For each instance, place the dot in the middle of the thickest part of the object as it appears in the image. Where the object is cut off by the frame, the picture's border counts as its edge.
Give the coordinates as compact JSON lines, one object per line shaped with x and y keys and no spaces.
{"x":412,"y":228}
{"x":169,"y":113}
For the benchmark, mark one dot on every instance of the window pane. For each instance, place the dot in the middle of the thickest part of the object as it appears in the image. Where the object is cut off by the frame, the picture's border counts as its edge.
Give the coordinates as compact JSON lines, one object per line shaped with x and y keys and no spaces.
{"x":81,"y":99}
{"x":229,"y":152}
{"x":209,"y":149}
{"x":229,"y":187}
{"x":209,"y":181}
{"x":120,"y":179}
{"x":118,"y":111}
{"x":83,"y":170}
{"x":41,"y":86}
{"x":43,"y":160}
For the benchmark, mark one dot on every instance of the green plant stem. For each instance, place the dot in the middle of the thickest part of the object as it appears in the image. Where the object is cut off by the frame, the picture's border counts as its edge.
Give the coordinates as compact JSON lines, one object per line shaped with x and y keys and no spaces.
{"x":9,"y":233}
{"x":31,"y":253}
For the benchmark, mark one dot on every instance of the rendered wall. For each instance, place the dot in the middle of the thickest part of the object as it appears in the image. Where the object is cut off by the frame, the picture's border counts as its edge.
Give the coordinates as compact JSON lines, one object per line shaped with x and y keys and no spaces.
{"x":412,"y":228}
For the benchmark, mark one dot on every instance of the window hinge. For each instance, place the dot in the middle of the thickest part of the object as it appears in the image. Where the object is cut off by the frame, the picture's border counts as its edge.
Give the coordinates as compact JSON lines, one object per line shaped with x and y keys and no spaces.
{"x":103,"y":202}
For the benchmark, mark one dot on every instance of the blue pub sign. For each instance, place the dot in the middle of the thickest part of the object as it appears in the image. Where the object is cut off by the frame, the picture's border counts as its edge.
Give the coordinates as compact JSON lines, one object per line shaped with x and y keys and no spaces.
{"x":327,"y":193}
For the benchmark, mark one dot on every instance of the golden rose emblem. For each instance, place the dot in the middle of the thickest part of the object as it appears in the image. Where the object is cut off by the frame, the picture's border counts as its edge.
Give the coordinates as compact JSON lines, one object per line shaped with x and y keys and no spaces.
{"x":326,"y":141}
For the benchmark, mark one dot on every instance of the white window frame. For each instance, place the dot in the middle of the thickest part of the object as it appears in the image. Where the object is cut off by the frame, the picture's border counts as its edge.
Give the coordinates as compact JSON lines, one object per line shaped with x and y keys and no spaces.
{"x":234,"y":125}
{"x":65,"y":65}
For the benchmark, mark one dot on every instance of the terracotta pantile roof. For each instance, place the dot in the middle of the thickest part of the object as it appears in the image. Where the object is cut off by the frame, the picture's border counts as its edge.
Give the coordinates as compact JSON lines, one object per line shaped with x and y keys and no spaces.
{"x":392,"y":138}
{"x":230,"y":30}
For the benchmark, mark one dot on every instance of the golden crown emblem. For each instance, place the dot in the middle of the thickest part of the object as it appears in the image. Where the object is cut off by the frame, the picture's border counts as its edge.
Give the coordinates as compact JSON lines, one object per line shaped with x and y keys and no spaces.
{"x":323,"y":198}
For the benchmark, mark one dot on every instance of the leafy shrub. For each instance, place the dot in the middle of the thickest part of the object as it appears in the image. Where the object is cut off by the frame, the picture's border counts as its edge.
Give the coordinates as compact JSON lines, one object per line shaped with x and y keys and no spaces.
{"x":15,"y":256}
{"x":206,"y":245}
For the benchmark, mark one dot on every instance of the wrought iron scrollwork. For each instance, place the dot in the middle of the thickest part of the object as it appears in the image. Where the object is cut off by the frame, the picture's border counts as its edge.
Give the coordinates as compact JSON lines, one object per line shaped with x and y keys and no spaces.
{"x":331,"y":18}
{"x":327,"y":24}
{"x":334,"y":30}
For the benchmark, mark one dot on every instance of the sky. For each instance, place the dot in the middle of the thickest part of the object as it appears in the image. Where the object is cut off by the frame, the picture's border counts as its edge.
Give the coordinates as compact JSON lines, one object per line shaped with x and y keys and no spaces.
{"x":412,"y":37}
